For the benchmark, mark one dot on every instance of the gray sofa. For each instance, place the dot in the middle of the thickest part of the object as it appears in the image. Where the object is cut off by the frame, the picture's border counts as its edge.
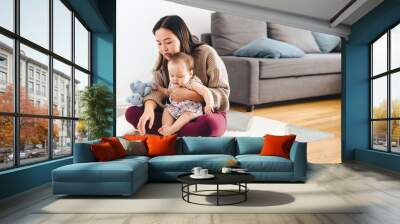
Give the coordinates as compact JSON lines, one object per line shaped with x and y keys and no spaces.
{"x":257,"y":81}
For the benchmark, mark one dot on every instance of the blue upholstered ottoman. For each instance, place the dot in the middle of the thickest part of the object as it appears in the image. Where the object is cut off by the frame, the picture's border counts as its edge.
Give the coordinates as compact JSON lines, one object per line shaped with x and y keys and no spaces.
{"x":119,"y":177}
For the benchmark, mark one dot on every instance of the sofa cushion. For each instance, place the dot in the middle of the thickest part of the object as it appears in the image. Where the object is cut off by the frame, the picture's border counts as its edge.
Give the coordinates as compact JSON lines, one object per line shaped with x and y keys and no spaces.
{"x":326,"y":42}
{"x":286,"y":67}
{"x":116,"y":145}
{"x":257,"y":163}
{"x":277,"y":145}
{"x":185,"y":163}
{"x":161,"y":145}
{"x":134,"y":147}
{"x":303,"y":39}
{"x":229,"y":33}
{"x":112,"y":171}
{"x":249,"y":145}
{"x":103,"y":151}
{"x":207,"y":145}
{"x":264,"y":47}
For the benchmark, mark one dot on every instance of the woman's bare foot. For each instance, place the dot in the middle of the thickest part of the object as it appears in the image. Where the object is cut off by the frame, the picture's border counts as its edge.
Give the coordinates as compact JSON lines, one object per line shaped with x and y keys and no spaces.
{"x":166,"y":130}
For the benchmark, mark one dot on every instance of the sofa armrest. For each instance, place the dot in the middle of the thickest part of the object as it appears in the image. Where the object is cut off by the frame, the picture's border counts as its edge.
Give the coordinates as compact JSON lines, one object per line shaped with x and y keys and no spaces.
{"x":298,"y":155}
{"x":243,"y":74}
{"x":83,"y":152}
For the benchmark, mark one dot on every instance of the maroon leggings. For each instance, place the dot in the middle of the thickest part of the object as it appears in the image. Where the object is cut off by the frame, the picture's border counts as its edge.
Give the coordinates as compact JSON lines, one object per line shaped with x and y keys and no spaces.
{"x":207,"y":125}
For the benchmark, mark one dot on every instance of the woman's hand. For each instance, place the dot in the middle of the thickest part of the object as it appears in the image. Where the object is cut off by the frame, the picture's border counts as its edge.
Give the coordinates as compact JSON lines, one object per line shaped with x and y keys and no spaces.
{"x":148,"y":115}
{"x":181,"y":94}
{"x":163,"y":90}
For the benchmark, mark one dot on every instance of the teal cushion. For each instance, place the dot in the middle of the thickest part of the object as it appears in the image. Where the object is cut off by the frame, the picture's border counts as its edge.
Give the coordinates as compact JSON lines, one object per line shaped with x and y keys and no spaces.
{"x":185,"y":163}
{"x":111,"y":171}
{"x":326,"y":42}
{"x":207,"y":145}
{"x":249,"y":145}
{"x":257,"y":163}
{"x":264,"y":47}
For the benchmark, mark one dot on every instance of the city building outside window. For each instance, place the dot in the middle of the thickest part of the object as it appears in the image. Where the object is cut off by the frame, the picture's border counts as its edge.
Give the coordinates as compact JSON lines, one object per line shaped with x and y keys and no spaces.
{"x":58,"y":128}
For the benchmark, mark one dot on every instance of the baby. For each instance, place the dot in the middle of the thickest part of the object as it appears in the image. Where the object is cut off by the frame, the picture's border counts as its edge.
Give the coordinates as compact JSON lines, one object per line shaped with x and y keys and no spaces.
{"x":177,"y":114}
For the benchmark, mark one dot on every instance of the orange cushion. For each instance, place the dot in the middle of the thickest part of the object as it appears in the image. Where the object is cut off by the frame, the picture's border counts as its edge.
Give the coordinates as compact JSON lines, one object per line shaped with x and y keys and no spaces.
{"x":277,"y":145}
{"x":103,"y":151}
{"x":136,"y":137}
{"x":116,"y":145}
{"x":161,"y":145}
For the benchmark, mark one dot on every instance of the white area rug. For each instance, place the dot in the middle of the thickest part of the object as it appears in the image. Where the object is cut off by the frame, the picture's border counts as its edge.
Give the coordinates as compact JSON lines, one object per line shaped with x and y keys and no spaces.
{"x":242,"y":124}
{"x":166,"y":198}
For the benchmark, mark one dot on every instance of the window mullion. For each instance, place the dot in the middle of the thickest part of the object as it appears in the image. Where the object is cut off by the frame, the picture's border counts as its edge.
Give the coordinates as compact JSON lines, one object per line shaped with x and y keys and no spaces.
{"x":389,"y":101}
{"x":50,"y":81}
{"x":73,"y":82}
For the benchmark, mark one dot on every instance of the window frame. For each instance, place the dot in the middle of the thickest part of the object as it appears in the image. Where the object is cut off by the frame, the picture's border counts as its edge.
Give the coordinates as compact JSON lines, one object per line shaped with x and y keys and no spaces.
{"x":16,"y":114}
{"x":388,"y":74}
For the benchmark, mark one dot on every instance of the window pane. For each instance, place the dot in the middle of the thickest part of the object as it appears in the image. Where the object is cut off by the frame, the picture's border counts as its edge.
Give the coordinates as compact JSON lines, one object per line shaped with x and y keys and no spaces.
{"x":6,"y":142}
{"x":379,"y":97}
{"x":62,"y":29}
{"x":395,"y":136}
{"x":33,"y":139}
{"x":81,"y":131}
{"x":62,"y":89}
{"x":395,"y":47}
{"x":395,"y":94}
{"x":34,"y":72}
{"x":7,"y":14}
{"x":81,"y":45}
{"x":379,"y":55}
{"x":81,"y":81}
{"x":379,"y":135}
{"x":62,"y":138}
{"x":6,"y":74}
{"x":35,"y":21}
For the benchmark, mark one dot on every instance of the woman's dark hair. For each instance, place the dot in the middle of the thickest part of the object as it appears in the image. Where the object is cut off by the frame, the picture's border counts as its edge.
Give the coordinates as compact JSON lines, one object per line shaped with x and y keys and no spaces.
{"x":177,"y":26}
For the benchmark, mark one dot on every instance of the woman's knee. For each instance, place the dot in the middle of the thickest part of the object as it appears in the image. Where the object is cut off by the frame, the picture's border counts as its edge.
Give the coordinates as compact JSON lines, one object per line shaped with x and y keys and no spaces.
{"x":133,"y":114}
{"x":207,"y":125}
{"x":216,"y":123}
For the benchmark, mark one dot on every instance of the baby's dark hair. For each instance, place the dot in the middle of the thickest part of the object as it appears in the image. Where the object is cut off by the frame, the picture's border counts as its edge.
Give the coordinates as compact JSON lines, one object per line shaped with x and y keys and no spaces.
{"x":185,"y":58}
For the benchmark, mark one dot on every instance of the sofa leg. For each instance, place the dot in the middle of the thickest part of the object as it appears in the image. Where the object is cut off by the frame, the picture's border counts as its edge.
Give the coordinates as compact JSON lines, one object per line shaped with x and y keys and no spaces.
{"x":250,"y":108}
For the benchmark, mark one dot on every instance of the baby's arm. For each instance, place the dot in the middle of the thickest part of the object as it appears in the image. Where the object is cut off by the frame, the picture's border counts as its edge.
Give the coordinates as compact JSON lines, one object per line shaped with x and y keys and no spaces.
{"x":206,"y":94}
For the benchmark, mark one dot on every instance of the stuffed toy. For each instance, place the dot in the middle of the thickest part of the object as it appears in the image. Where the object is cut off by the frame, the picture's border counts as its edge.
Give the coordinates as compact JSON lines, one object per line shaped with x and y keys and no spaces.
{"x":139,"y":91}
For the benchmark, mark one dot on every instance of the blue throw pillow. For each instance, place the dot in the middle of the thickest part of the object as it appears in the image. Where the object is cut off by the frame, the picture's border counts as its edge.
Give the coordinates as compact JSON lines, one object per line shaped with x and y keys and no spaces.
{"x":268,"y":48}
{"x":326,"y":42}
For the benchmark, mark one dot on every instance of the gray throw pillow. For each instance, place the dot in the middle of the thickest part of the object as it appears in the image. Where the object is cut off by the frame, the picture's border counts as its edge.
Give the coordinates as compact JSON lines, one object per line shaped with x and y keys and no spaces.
{"x":302,"y":39}
{"x":229,"y":32}
{"x":134,"y":147}
{"x":268,"y":48}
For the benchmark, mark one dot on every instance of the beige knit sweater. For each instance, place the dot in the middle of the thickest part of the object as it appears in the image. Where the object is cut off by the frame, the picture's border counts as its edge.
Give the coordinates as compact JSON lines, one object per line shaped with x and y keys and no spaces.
{"x":211,"y":70}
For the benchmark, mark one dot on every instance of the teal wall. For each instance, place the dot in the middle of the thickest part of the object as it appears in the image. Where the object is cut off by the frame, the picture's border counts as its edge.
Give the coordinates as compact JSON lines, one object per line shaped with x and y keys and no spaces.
{"x":355,"y":97}
{"x":99,"y":16}
{"x":24,"y":178}
{"x":103,"y":63}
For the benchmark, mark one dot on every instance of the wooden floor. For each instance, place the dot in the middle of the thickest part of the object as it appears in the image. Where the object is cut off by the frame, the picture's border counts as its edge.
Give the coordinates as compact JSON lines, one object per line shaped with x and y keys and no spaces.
{"x":378,"y":192}
{"x":324,"y":115}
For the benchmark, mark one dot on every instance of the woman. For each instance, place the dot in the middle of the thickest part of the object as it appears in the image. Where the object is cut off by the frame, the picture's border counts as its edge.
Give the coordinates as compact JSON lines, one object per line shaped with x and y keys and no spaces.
{"x":172,"y":36}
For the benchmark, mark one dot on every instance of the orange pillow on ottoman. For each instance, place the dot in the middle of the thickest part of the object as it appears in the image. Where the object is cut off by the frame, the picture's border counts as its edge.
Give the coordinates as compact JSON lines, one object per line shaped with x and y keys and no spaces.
{"x":161,"y":145}
{"x":116,"y":145}
{"x":103,"y":151}
{"x":277,"y":145}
